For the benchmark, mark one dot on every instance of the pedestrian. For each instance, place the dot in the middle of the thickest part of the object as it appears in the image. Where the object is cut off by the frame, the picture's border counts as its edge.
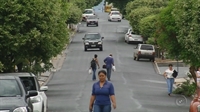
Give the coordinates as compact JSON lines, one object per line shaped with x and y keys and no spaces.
{"x":170,"y":79}
{"x":102,"y":95}
{"x":198,"y":77}
{"x":109,"y":61}
{"x":93,"y":66}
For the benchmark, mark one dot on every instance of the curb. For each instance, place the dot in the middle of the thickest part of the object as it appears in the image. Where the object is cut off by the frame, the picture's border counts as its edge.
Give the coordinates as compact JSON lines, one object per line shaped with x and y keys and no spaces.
{"x":53,"y":71}
{"x":158,"y":71}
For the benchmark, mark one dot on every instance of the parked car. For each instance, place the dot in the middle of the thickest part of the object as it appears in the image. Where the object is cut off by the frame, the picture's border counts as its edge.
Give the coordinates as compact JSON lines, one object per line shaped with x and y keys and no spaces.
{"x":13,"y":96}
{"x":115,"y":16}
{"x":131,"y":37}
{"x":145,"y":51}
{"x":31,"y":84}
{"x":86,"y":13}
{"x":93,"y":40}
{"x":92,"y":20}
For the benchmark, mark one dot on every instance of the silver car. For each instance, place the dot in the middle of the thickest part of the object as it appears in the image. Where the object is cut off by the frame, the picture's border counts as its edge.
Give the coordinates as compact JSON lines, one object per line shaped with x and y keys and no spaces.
{"x":131,"y":37}
{"x":92,"y":20}
{"x":145,"y":51}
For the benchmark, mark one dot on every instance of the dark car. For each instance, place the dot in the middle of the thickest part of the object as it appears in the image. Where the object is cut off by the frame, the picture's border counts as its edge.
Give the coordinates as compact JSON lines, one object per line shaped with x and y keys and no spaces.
{"x":13,"y":96}
{"x":93,"y":40}
{"x":92,"y":20}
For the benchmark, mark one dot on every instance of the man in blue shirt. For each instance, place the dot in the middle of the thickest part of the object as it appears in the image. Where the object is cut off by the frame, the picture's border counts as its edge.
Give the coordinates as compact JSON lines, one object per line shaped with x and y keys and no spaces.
{"x":109,"y":61}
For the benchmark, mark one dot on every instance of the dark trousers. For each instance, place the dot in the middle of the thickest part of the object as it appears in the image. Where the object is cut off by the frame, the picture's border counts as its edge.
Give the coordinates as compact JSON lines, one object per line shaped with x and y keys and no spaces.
{"x":102,"y":108}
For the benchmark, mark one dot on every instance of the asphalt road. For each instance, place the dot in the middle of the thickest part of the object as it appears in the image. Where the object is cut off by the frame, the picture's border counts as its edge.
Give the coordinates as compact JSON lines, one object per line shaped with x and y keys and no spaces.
{"x":137,"y":86}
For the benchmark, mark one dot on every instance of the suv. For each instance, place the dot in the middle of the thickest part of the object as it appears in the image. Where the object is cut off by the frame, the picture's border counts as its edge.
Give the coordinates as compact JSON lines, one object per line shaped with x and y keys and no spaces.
{"x":93,"y":40}
{"x":13,"y":96}
{"x":146,"y":51}
{"x":31,"y":84}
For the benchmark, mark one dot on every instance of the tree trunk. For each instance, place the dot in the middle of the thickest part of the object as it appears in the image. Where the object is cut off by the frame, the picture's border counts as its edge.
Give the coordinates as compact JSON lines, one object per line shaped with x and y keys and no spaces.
{"x":19,"y":67}
{"x":192,"y":71}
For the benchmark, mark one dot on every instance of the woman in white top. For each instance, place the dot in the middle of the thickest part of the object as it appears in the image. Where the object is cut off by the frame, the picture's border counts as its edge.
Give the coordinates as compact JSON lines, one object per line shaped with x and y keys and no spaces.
{"x":198,"y":77}
{"x":170,"y":79}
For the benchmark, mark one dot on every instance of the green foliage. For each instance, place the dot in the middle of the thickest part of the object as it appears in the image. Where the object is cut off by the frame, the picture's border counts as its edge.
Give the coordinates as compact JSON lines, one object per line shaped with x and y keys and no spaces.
{"x":136,"y":15}
{"x":166,"y":31}
{"x":79,"y":3}
{"x":147,"y":26}
{"x":32,"y":32}
{"x":132,"y":5}
{"x":186,"y":14}
{"x":186,"y":88}
{"x":74,"y":15}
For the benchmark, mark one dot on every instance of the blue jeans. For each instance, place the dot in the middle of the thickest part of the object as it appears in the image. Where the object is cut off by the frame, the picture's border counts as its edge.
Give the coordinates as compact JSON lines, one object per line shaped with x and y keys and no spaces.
{"x":94,"y":73}
{"x":109,"y":73}
{"x":170,"y":82}
{"x":102,"y":108}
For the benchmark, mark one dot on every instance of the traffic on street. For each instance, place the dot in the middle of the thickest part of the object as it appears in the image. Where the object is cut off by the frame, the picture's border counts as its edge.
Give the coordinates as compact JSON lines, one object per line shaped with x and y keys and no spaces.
{"x":138,"y":87}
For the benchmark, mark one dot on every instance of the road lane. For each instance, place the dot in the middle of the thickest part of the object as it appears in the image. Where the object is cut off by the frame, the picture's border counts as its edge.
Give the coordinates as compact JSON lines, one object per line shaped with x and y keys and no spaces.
{"x":138,"y":88}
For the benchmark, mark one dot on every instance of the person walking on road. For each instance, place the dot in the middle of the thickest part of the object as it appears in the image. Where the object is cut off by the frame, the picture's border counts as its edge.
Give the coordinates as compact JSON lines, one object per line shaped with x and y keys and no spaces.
{"x":102,"y":95}
{"x":109,"y":61}
{"x":170,"y":79}
{"x":93,"y":66}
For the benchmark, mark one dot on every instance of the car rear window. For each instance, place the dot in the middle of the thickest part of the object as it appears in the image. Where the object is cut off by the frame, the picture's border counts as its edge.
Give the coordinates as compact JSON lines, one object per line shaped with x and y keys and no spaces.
{"x":146,"y":47}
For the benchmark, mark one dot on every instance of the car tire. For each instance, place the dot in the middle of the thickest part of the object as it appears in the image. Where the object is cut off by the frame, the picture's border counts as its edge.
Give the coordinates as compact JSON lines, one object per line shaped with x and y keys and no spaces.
{"x":125,"y":41}
{"x":134,"y":58}
{"x":128,"y":42}
{"x":42,"y":107}
{"x":119,"y":20}
{"x":87,"y":25}
{"x":85,"y":49}
{"x":101,"y":49}
{"x":97,"y":24}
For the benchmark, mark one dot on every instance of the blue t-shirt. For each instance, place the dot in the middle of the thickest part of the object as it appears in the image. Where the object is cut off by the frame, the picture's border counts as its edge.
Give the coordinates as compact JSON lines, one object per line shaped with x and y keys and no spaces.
{"x":109,"y":62}
{"x":102,"y":95}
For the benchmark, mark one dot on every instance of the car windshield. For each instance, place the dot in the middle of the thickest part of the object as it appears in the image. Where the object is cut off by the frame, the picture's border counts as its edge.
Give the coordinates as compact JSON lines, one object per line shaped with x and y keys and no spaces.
{"x":9,"y":88}
{"x":115,"y":13}
{"x":92,"y":36}
{"x":146,"y":47}
{"x":29,"y":83}
{"x":88,"y":12}
{"x":91,"y":17}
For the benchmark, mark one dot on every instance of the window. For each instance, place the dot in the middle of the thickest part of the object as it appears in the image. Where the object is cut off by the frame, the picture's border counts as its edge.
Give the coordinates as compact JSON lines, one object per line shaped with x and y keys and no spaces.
{"x":88,"y":12}
{"x":9,"y":88}
{"x":146,"y":47}
{"x":92,"y":36}
{"x":29,"y":83}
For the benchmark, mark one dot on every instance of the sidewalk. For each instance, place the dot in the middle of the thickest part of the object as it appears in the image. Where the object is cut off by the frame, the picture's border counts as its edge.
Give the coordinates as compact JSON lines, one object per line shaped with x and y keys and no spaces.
{"x":183,"y":69}
{"x":57,"y":64}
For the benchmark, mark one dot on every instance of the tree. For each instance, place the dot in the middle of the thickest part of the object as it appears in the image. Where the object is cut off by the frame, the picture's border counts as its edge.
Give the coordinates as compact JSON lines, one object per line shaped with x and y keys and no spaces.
{"x":32,"y":32}
{"x":147,"y":26}
{"x":74,"y":15}
{"x":186,"y":15}
{"x":136,"y":15}
{"x":148,"y":3}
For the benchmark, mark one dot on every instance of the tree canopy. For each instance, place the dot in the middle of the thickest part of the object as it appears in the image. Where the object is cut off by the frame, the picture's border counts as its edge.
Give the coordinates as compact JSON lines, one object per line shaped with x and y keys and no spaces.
{"x":32,"y":32}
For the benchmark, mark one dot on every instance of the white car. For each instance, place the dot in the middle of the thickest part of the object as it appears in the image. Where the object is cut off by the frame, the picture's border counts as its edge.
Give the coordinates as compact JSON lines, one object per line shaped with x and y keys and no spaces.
{"x":30,"y":82}
{"x":115,"y":16}
{"x":131,"y":37}
{"x":86,"y":13}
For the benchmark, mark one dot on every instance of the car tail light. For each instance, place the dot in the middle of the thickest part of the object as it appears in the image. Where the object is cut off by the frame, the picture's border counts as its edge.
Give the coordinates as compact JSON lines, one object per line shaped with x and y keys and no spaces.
{"x":129,"y":35}
{"x":139,"y":52}
{"x":153,"y":53}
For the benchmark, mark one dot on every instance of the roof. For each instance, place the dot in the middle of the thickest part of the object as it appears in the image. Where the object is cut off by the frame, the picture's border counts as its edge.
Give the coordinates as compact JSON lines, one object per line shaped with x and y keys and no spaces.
{"x":93,"y":33}
{"x":8,"y":77}
{"x":19,"y":74}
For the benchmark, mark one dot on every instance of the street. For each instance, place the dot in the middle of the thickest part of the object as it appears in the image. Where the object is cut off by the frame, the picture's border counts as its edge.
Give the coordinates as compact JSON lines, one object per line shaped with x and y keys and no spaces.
{"x":138,"y":87}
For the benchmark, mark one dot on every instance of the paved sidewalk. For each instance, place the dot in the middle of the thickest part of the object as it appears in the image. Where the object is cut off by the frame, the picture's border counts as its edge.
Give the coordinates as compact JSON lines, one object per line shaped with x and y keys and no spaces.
{"x":162,"y":65}
{"x":57,"y":64}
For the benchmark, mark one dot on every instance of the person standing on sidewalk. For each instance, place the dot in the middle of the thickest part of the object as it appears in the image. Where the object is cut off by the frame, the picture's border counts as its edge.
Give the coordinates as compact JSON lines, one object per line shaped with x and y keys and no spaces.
{"x":109,"y":61}
{"x":102,"y":95}
{"x":93,"y":66}
{"x":170,"y":79}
